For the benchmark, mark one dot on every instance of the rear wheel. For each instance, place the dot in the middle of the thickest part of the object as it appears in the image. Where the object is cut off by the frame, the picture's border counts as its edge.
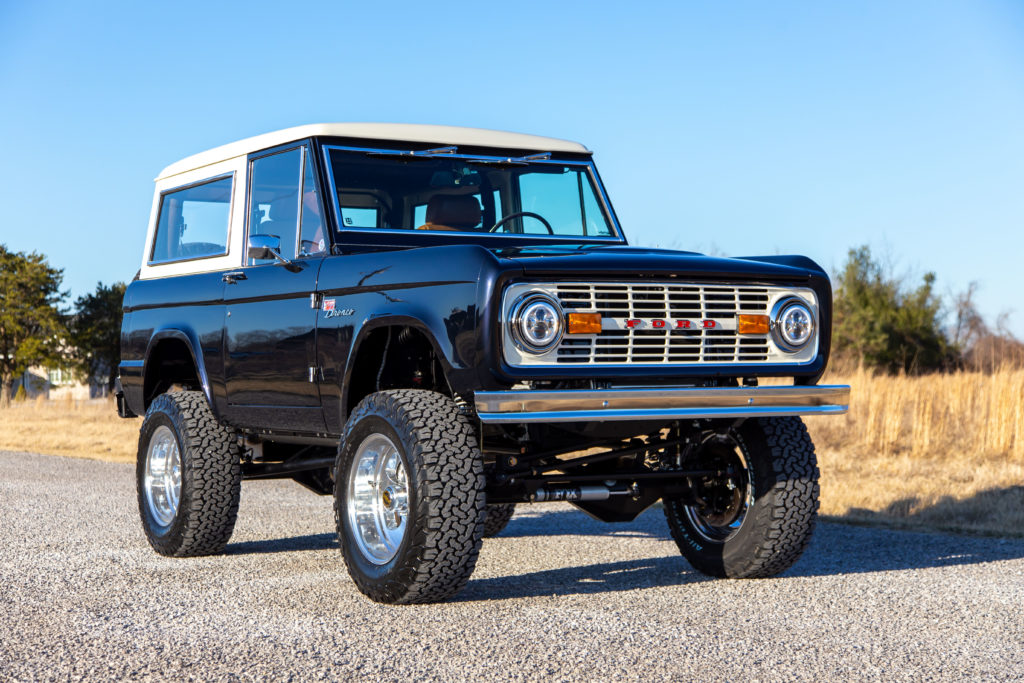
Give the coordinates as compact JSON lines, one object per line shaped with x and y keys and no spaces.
{"x":409,"y":497}
{"x":755,"y":520}
{"x":188,"y":475}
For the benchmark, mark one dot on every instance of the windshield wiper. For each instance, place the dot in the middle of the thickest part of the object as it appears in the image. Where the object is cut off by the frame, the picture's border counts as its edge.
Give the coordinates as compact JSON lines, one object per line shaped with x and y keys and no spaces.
{"x":437,"y":151}
{"x":444,"y":151}
{"x":512,"y":161}
{"x":539,"y":156}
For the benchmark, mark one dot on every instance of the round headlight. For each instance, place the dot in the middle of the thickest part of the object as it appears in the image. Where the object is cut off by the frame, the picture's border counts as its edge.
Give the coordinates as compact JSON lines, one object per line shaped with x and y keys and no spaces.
{"x":536,"y":323}
{"x":793,"y":324}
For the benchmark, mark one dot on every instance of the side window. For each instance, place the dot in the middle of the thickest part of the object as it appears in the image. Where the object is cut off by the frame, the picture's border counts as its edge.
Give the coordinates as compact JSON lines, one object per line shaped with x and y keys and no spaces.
{"x":497,"y":207}
{"x":593,"y":216}
{"x":193,"y":222}
{"x":313,"y":236}
{"x":363,"y":209}
{"x":566,"y":199}
{"x":357,"y":217}
{"x":274,"y":199}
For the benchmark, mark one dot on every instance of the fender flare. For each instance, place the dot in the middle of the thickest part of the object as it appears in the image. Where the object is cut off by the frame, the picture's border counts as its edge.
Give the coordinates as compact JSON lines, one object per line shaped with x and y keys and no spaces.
{"x":192,"y":344}
{"x":376,"y":323}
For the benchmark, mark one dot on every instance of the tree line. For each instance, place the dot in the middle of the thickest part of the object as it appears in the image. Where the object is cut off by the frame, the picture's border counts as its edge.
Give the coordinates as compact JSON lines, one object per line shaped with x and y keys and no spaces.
{"x":886,"y":322}
{"x":880,"y":320}
{"x":37,"y":329}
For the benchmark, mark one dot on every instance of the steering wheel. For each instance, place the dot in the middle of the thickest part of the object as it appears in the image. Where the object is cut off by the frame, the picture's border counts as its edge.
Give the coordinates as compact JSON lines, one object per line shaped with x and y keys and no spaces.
{"x":518,"y":214}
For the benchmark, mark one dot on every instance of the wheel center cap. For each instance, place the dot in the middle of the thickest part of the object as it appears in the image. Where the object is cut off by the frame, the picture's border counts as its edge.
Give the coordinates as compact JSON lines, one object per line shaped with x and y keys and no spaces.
{"x":388,"y":498}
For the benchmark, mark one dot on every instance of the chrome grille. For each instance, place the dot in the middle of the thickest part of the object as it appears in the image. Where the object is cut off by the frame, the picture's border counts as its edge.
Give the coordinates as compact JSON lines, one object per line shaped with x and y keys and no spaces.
{"x":617,"y":344}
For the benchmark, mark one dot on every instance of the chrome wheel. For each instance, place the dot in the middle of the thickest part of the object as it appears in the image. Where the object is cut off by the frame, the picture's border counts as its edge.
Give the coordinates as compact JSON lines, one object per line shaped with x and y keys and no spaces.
{"x":378,"y":499}
{"x":162,"y":479}
{"x":723,"y":501}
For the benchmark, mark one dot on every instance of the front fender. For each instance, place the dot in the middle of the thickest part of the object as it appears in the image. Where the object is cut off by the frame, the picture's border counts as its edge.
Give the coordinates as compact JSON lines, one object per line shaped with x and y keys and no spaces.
{"x":440,"y":292}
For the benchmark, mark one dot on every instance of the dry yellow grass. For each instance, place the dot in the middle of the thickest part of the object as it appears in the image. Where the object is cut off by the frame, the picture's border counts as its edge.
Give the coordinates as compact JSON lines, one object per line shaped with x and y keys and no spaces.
{"x":941,"y":451}
{"x":83,"y":429}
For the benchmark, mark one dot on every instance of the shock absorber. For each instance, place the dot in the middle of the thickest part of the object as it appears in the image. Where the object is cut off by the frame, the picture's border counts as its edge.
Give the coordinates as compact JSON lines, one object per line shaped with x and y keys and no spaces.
{"x":570,"y":493}
{"x":574,"y":494}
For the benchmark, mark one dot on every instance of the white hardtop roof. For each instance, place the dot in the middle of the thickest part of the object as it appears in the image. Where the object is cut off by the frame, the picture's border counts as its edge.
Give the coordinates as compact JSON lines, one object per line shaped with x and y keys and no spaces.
{"x":441,"y":135}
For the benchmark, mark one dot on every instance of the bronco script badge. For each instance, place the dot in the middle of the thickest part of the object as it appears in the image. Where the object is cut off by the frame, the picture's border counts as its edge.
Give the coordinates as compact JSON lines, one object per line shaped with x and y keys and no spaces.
{"x":332,"y":312}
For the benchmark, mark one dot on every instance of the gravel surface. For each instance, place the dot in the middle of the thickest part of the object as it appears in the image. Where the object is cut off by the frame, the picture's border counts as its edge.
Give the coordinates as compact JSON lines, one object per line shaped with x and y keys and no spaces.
{"x":557,"y":596}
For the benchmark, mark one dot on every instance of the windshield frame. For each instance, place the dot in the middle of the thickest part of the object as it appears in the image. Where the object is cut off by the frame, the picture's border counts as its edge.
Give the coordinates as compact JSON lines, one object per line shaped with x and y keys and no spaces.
{"x":421,"y":237}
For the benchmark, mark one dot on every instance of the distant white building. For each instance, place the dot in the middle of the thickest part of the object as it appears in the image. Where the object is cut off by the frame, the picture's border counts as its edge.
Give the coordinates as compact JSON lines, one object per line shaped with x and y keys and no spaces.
{"x":55,"y":384}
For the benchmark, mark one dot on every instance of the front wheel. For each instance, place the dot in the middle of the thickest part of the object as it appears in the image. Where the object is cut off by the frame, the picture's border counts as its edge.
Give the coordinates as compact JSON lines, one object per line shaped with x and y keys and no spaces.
{"x":409,"y":497}
{"x":755,"y":520}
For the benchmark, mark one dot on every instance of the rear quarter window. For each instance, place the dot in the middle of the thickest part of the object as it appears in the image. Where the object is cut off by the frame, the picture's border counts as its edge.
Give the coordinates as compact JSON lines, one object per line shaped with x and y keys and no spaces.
{"x":193,"y":222}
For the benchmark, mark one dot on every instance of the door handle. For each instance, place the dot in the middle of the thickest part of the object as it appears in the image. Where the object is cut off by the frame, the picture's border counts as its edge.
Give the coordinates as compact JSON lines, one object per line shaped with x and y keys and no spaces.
{"x":233,"y":276}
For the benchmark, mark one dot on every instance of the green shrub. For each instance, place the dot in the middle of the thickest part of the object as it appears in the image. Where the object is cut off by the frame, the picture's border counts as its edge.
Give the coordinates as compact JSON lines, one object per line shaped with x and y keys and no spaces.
{"x":884,"y":323}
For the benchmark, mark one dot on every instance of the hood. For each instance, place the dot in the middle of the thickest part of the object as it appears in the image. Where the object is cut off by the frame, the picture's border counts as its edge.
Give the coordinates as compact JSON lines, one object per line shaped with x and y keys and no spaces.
{"x":643,"y":262}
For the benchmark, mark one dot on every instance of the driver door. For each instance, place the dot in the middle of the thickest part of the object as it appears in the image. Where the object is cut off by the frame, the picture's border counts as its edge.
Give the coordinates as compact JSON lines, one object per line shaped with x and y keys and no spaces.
{"x":270,"y":325}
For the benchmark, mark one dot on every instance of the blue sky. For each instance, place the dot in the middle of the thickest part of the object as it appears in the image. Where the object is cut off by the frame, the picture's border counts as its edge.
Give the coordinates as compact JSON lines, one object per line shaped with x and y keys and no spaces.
{"x":739,"y":127}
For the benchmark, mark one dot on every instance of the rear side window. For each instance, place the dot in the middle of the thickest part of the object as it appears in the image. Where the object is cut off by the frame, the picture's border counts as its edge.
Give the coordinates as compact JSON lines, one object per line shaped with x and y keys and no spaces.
{"x":354,"y":217}
{"x":193,"y":222}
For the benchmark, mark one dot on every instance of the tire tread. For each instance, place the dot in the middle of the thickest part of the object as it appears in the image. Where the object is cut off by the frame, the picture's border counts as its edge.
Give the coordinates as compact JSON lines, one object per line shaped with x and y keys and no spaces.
{"x":451,"y":505}
{"x":211,"y":453}
{"x":784,"y":514}
{"x":498,"y":517}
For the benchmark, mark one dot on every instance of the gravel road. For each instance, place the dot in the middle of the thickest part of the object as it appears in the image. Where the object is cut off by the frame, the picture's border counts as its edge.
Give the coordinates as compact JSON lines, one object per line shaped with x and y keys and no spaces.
{"x":556,"y":597}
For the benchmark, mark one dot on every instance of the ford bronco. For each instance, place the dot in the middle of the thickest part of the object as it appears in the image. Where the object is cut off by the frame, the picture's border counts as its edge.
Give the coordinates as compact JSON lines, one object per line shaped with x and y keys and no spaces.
{"x":435,"y":324}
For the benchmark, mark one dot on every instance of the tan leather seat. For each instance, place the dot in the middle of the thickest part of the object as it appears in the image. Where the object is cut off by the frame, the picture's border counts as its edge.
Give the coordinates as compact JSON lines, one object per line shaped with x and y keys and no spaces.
{"x":452,"y":212}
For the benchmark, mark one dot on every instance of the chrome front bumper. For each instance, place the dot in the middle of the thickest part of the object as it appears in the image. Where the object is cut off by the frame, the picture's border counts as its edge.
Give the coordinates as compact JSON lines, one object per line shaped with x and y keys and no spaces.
{"x":657,"y":403}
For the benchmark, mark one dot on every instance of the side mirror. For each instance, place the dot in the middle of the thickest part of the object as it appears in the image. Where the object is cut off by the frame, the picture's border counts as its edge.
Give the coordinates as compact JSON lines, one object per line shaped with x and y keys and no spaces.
{"x":265,"y":247}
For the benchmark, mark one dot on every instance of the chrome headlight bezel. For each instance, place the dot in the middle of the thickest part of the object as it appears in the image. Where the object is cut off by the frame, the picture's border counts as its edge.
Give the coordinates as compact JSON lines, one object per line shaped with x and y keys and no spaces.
{"x":519,"y":314}
{"x":787,"y":306}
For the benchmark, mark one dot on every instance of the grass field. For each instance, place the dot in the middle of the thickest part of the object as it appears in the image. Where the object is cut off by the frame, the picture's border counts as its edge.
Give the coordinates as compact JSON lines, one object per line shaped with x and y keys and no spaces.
{"x":82,"y":429}
{"x":940,"y":451}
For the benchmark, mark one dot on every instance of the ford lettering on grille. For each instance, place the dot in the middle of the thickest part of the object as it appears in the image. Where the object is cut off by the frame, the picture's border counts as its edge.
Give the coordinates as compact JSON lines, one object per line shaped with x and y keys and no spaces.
{"x":661,"y":324}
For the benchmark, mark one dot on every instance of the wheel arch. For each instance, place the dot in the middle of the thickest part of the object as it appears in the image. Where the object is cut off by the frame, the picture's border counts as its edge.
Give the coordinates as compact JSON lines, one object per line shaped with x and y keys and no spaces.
{"x":378,"y":353}
{"x":174,"y":356}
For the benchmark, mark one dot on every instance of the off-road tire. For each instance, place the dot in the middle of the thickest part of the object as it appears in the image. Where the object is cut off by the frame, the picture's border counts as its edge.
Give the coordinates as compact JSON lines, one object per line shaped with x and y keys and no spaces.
{"x":211,"y":477}
{"x":778,"y":526}
{"x":446,"y":498}
{"x":498,"y":517}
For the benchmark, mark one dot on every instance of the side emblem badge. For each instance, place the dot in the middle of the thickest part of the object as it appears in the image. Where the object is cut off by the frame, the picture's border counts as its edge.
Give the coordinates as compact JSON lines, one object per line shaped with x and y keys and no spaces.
{"x":332,"y":312}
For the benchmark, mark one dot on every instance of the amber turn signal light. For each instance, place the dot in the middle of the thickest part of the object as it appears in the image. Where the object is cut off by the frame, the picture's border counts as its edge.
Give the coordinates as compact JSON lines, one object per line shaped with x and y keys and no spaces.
{"x":584,"y":323}
{"x":753,"y":324}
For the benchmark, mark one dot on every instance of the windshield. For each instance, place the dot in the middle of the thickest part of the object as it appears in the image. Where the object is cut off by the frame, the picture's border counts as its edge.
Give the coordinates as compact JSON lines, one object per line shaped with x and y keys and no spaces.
{"x":382,"y":190}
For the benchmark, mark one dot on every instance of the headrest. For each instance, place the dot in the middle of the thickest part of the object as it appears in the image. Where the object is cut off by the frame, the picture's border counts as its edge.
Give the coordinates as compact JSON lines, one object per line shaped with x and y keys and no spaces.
{"x":284,"y":210}
{"x":461,"y":211}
